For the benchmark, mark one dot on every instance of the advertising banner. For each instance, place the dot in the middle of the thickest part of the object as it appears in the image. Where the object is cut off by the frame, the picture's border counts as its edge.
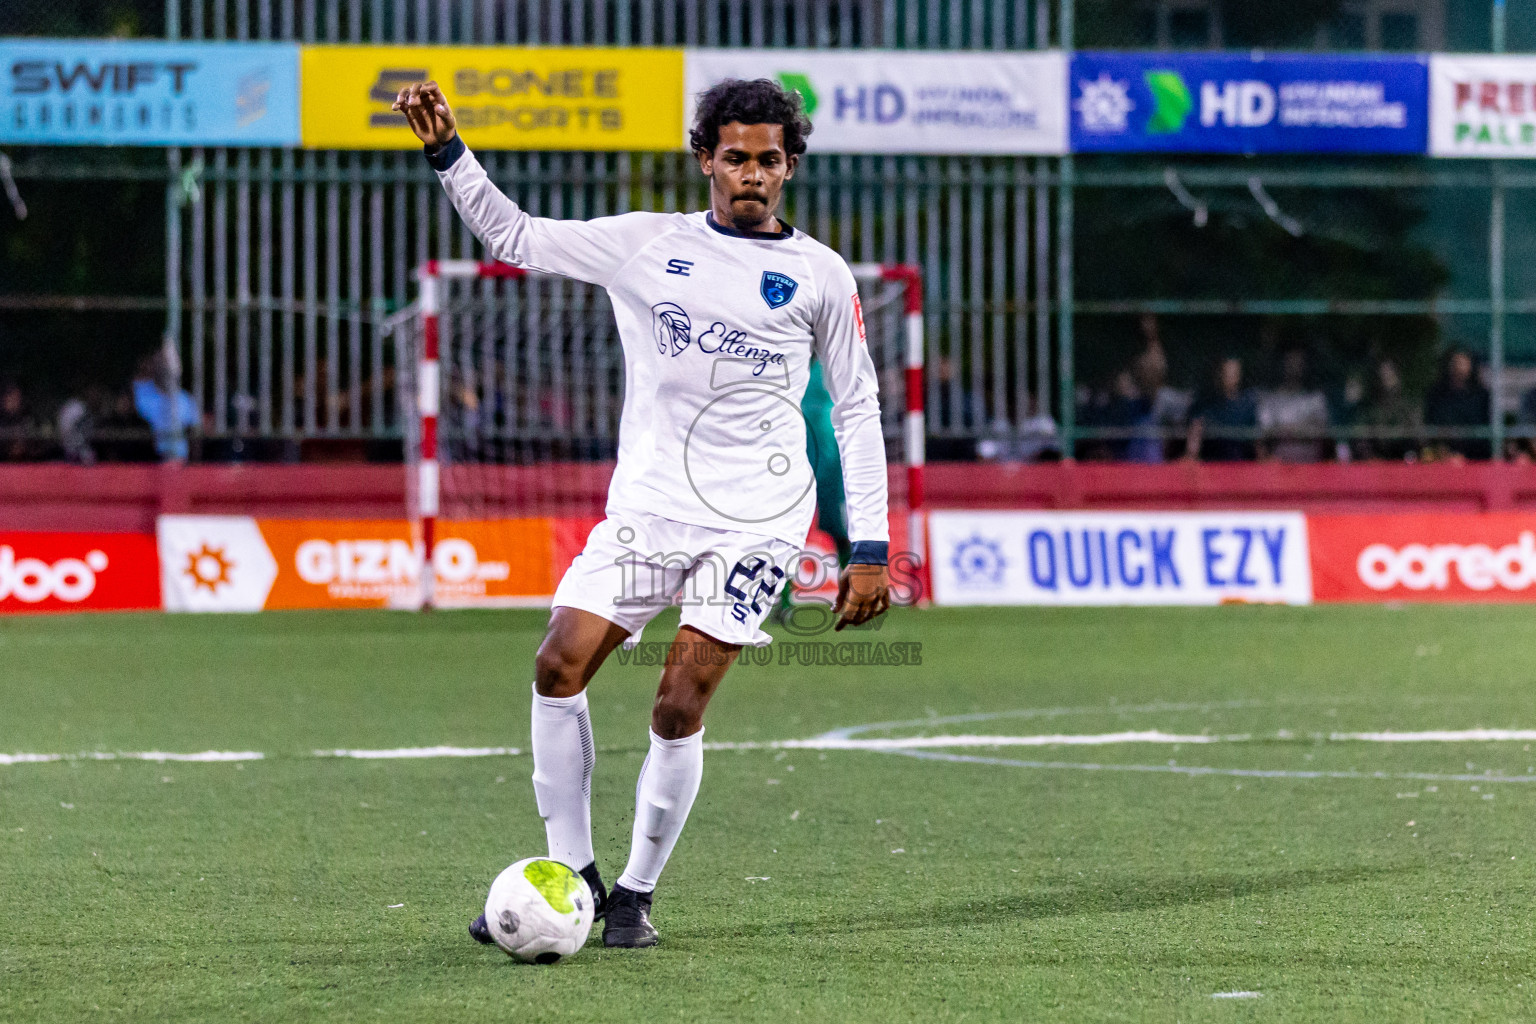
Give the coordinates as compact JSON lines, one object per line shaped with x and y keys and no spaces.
{"x":241,"y":564}
{"x":73,"y":572}
{"x":146,"y":93}
{"x":503,"y":97}
{"x":1432,"y":557}
{"x":1119,"y":558}
{"x":1237,"y":103}
{"x":907,"y":102}
{"x":1482,"y":105}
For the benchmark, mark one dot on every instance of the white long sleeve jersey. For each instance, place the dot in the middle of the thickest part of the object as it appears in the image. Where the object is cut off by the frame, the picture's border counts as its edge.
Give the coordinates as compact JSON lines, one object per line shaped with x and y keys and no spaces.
{"x":718,"y":329}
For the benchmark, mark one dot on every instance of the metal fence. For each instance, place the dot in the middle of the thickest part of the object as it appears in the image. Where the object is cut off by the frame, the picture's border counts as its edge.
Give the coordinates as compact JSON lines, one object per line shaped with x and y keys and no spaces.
{"x":282,"y":264}
{"x":287,"y":263}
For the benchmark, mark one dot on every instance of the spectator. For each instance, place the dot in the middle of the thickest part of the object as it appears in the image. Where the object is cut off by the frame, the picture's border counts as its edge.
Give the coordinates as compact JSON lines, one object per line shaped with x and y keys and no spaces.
{"x":1037,"y":439}
{"x":1459,"y":400}
{"x":958,"y":409}
{"x":1394,"y":418}
{"x":1294,"y":417}
{"x":119,"y":430}
{"x":1230,"y":409}
{"x":76,"y":425}
{"x":1125,"y":409}
{"x":958,"y":405}
{"x":1034,"y":440}
{"x":170,"y":421}
{"x":1345,"y":407}
{"x":1166,"y":407}
{"x":16,"y":441}
{"x":463,"y":436}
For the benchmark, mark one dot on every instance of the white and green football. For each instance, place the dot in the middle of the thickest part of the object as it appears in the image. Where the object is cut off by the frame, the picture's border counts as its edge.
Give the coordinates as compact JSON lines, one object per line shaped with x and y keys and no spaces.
{"x":539,"y":910}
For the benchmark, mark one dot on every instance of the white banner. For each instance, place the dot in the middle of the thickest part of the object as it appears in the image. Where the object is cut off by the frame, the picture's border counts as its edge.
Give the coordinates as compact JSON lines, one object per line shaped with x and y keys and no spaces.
{"x":1119,"y":558}
{"x":1482,"y":105}
{"x":214,"y":564}
{"x":907,"y":102}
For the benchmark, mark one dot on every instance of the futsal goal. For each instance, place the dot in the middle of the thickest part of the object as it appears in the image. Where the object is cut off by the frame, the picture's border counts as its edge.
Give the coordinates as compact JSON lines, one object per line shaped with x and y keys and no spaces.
{"x":514,"y":383}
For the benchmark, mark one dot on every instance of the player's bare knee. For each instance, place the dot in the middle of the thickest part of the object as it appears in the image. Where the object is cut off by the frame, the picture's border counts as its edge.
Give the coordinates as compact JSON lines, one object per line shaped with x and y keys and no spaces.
{"x":558,"y":672}
{"x":679,"y":708}
{"x":672,"y":720}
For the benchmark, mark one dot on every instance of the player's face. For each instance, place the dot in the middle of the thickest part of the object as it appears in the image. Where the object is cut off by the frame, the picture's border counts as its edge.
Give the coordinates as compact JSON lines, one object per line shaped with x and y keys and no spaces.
{"x":747,"y":172}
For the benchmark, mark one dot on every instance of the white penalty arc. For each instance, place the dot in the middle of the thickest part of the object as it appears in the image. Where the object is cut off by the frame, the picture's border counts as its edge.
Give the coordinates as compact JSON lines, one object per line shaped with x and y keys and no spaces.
{"x":1203,"y":770}
{"x":840,"y":740}
{"x":832,"y":742}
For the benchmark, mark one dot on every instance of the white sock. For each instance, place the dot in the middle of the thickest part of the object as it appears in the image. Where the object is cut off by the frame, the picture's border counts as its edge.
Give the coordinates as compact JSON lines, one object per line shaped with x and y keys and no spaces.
{"x":669,"y":780}
{"x":563,"y":758}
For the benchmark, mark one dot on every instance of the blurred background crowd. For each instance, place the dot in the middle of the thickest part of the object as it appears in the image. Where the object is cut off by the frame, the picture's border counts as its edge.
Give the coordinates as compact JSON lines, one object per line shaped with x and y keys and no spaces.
{"x":1280,"y":405}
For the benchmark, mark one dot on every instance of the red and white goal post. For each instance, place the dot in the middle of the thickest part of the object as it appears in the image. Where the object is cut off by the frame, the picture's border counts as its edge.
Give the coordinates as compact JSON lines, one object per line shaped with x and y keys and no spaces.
{"x":512,"y":386}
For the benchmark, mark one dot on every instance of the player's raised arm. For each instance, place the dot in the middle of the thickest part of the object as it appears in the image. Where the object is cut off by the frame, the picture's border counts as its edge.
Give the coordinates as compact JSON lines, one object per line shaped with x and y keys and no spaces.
{"x":864,"y":590}
{"x":591,"y":251}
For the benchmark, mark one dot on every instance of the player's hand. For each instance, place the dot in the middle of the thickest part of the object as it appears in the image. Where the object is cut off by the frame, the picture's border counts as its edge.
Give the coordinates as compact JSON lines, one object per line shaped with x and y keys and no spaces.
{"x":863,"y":592}
{"x":426,"y":110}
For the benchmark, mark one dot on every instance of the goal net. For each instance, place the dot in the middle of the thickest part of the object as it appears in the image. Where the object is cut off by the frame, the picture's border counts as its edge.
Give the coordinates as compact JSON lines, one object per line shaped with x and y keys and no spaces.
{"x":514,"y":383}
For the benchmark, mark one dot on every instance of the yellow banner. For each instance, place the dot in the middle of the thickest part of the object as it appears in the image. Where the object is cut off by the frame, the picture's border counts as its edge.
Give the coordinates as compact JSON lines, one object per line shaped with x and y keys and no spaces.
{"x":503,"y":97}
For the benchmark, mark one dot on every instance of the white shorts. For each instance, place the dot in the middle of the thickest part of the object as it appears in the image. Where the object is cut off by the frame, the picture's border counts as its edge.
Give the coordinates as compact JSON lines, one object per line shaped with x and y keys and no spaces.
{"x":636,"y":564}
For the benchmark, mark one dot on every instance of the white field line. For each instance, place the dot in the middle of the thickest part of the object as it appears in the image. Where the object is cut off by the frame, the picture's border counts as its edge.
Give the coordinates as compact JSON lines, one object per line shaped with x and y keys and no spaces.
{"x":1440,"y":736}
{"x":159,"y":756}
{"x":1236,"y":995}
{"x":416,"y":753}
{"x":913,"y":746}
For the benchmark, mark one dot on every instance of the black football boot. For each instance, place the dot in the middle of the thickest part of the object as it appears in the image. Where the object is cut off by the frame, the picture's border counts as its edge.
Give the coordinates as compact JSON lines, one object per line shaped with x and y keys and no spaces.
{"x":628,"y":922}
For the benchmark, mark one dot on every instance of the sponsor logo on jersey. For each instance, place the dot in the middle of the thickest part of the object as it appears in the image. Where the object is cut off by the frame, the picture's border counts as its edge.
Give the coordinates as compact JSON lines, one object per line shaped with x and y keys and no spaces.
{"x":679,"y":267}
{"x":731,"y":342}
{"x":672,"y":328}
{"x":778,"y":289}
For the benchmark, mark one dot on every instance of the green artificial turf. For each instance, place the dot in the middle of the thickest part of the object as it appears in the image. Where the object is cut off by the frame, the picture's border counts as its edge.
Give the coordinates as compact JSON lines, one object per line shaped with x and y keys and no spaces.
{"x":810,"y":884}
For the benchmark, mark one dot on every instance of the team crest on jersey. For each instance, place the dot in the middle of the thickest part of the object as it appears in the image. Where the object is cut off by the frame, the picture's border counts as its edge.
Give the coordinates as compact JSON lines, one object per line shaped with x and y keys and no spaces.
{"x":778,"y":289}
{"x":672,"y":328}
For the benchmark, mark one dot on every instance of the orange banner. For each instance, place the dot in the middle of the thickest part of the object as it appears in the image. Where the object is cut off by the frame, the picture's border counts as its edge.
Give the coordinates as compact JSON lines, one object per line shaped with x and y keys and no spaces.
{"x":243,"y":564}
{"x":236,"y":563}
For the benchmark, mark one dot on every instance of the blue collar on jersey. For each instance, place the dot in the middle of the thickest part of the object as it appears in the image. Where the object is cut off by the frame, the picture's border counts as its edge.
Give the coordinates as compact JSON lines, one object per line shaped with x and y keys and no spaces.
{"x":766,"y":236}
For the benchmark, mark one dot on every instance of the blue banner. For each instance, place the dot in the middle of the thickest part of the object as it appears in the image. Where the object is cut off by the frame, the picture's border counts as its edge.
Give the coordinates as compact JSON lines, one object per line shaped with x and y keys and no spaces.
{"x":144,"y":93}
{"x":1119,"y":558}
{"x":1237,"y":103}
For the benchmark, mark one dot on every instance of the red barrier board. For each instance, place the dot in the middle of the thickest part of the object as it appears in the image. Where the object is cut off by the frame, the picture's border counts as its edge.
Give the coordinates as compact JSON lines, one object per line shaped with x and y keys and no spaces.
{"x":1431,"y":557}
{"x":68,"y":572}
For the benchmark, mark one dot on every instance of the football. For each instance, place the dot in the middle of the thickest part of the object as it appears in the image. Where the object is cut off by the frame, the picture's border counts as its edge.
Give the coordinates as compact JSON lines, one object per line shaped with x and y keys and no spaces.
{"x":539,"y":910}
